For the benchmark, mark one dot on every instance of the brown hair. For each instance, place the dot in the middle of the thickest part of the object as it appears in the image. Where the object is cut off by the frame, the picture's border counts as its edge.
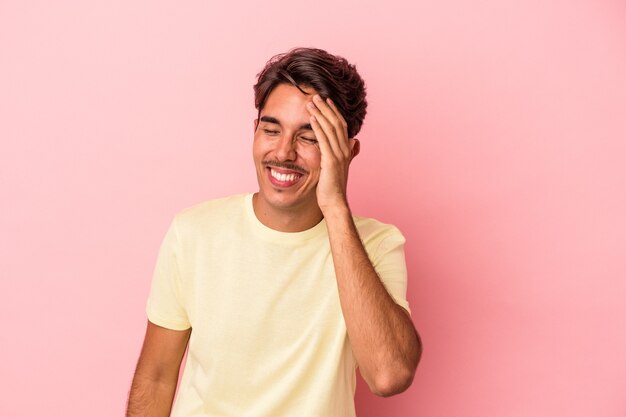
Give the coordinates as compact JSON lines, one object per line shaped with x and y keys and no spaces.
{"x":329,"y":75}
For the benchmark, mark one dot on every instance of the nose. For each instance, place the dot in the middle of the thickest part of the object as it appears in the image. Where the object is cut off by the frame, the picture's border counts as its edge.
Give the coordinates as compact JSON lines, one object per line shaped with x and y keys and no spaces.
{"x":286,"y":148}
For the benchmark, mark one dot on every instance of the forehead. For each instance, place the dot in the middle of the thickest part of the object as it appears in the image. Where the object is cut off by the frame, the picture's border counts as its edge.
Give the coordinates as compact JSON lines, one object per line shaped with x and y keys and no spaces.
{"x":288,"y":104}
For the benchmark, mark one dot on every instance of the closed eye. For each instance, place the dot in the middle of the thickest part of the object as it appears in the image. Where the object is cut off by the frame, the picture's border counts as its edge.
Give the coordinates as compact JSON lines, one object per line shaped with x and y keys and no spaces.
{"x":271,"y":132}
{"x":312,"y":141}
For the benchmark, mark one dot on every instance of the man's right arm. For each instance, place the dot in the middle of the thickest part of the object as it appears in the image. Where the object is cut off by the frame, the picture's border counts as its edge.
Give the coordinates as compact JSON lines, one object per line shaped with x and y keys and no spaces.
{"x":156,"y":376}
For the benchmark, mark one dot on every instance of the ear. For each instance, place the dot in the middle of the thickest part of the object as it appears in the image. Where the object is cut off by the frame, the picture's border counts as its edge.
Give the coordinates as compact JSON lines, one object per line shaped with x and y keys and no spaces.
{"x":256,"y":124}
{"x":356,"y":148}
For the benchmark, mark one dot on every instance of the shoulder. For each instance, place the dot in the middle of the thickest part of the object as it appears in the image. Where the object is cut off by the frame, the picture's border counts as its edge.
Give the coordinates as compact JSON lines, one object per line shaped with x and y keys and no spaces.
{"x":209,"y":213}
{"x":372,"y":231}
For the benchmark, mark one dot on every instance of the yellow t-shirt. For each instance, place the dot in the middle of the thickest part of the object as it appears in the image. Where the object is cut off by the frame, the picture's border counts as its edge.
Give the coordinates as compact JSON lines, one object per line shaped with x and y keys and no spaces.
{"x":268,"y":336}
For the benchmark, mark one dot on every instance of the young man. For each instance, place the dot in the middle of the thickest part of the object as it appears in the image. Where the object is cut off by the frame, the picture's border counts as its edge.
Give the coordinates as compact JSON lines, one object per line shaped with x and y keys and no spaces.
{"x":281,"y":294}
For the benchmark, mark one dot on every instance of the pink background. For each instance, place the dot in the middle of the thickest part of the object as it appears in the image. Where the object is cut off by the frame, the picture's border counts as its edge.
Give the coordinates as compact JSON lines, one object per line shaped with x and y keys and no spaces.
{"x":495,"y":140}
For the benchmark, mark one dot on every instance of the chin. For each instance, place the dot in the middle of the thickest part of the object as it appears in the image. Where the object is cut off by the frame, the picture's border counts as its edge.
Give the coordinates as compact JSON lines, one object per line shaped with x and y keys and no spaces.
{"x":284,"y":200}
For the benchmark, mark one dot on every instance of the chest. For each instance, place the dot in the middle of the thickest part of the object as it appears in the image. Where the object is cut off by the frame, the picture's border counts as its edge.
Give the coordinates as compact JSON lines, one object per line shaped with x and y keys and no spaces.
{"x":265,"y":297}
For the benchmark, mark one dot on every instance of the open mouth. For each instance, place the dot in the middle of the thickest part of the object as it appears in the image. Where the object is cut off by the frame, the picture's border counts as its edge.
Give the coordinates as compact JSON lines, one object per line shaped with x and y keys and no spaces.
{"x":282,"y":177}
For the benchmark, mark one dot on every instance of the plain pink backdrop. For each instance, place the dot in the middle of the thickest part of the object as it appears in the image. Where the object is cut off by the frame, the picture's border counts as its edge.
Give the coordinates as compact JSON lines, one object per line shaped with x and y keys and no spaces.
{"x":495,"y":140}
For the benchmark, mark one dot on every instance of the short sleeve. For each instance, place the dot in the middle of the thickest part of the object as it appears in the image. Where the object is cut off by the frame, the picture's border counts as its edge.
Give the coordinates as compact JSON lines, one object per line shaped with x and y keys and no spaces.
{"x":390,"y":264}
{"x":165,"y":306}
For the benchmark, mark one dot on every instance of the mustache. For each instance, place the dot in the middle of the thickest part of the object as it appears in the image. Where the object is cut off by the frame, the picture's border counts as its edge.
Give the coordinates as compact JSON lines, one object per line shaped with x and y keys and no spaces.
{"x":285,"y":165}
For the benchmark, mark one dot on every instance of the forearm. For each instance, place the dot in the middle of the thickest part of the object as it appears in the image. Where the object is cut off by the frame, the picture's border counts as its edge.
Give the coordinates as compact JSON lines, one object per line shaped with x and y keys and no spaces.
{"x":382,"y":336}
{"x":150,"y":397}
{"x":156,"y":376}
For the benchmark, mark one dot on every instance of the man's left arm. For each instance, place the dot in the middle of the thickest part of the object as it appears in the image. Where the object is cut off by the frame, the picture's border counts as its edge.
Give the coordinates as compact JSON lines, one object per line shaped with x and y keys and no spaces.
{"x":385,"y":343}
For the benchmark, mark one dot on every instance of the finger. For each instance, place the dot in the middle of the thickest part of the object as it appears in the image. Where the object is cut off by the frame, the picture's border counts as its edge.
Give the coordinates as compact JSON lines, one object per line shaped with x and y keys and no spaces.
{"x":333,"y":124}
{"x":344,"y":141}
{"x":334,"y":117}
{"x":329,"y":112}
{"x":339,"y":116}
{"x":322,"y":140}
{"x":327,"y":128}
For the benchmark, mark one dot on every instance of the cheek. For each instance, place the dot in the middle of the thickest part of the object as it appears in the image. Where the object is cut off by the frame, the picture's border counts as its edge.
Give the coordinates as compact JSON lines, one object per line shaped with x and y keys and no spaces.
{"x":259,"y":147}
{"x":313,"y":158}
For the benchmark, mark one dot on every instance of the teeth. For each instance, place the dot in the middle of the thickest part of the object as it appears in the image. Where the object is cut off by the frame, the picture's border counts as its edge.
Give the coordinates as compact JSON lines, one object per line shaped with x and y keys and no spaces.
{"x":283,"y":177}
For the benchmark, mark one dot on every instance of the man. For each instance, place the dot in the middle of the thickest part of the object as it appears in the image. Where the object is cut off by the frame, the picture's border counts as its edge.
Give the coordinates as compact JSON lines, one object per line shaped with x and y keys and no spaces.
{"x":281,"y":294}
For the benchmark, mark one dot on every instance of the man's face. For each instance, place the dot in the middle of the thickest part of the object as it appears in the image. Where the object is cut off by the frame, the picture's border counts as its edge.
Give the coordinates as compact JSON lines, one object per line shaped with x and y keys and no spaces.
{"x":286,"y":154}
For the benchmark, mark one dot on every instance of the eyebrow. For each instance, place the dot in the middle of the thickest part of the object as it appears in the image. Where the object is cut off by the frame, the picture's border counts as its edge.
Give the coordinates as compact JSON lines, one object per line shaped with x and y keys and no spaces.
{"x":270,"y":119}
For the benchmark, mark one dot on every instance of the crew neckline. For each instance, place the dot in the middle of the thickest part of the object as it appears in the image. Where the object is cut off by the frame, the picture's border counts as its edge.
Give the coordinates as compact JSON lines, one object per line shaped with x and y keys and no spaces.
{"x":277,"y":236}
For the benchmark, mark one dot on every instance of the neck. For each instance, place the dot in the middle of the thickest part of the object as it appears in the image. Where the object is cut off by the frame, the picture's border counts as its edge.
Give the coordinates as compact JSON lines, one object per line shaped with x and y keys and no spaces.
{"x":288,"y":220}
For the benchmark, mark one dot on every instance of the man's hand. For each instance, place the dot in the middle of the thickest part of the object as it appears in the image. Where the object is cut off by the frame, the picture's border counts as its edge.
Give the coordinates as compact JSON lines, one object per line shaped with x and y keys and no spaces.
{"x":331,"y":132}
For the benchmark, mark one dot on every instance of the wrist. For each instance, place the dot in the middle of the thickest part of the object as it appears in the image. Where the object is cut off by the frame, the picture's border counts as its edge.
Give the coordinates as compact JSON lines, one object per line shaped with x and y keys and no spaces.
{"x":337,"y":212}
